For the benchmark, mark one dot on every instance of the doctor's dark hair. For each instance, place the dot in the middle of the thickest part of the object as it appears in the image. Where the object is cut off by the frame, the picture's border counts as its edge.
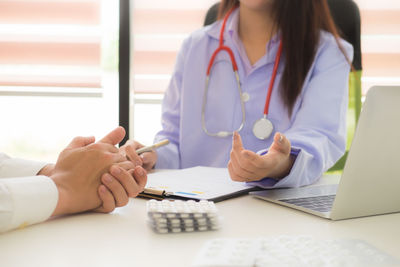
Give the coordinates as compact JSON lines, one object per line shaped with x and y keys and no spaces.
{"x":300,"y":23}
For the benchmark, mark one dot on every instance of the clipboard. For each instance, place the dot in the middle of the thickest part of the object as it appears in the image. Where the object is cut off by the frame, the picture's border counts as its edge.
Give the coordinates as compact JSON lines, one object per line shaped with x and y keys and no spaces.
{"x":197,"y":183}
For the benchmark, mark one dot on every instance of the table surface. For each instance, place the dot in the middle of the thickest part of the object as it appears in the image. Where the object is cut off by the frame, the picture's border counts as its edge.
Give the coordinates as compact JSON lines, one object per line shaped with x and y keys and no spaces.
{"x":123,"y":237}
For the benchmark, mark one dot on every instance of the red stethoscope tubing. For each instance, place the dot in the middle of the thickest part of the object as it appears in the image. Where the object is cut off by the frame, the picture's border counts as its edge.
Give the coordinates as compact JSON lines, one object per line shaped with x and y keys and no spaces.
{"x":222,"y":46}
{"x":271,"y":83}
{"x":234,"y":64}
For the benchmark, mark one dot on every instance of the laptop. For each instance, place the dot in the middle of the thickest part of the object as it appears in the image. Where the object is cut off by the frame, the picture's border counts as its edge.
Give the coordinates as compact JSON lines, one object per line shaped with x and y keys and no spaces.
{"x":370,"y":181}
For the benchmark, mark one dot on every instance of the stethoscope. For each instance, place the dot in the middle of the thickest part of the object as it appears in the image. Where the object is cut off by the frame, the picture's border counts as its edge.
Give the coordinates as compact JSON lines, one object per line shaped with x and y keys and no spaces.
{"x":263,"y":127}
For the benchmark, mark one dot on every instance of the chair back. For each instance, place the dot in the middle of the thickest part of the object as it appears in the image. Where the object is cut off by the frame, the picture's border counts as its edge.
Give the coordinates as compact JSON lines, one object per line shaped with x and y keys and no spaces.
{"x":346,"y":16}
{"x":211,"y":15}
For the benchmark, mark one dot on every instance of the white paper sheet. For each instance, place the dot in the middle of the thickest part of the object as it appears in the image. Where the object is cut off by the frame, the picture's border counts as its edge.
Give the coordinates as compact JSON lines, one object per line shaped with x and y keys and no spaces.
{"x":196,"y":183}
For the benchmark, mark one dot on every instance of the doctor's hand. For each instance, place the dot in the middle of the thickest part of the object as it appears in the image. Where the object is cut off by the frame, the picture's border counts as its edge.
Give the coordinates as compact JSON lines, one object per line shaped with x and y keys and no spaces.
{"x":247,"y":166}
{"x":147,"y":160}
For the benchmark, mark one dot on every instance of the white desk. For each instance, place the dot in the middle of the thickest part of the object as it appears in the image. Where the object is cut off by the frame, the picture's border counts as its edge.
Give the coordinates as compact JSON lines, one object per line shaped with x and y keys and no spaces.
{"x":124,"y":239}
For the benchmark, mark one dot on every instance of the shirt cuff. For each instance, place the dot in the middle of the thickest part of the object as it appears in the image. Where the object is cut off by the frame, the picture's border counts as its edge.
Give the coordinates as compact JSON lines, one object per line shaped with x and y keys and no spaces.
{"x":15,"y":167}
{"x":33,"y":200}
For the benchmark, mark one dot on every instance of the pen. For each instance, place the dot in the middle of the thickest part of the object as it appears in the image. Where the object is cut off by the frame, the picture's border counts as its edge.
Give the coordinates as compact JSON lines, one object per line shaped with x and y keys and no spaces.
{"x":154,"y":193}
{"x":154,"y":146}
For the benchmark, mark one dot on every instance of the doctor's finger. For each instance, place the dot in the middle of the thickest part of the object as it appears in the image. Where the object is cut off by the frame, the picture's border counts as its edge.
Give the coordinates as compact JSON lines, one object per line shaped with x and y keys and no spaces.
{"x":253,"y":159}
{"x":234,"y":176}
{"x":241,"y":171}
{"x":280,"y":144}
{"x":237,"y":144}
{"x":237,"y":147}
{"x":149,"y":159}
{"x":131,"y":154}
{"x":242,"y":163}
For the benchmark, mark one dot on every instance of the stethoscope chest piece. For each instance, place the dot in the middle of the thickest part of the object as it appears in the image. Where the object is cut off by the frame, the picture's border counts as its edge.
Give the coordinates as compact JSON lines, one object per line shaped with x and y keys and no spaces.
{"x":262,"y":128}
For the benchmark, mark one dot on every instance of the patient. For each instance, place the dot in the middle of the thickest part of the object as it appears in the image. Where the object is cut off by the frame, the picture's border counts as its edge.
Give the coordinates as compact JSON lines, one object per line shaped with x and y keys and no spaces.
{"x":87,"y":176}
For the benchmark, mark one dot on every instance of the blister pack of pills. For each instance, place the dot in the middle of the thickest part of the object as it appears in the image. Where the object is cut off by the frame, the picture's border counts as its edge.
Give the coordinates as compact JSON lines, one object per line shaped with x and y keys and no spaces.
{"x":177,"y":216}
{"x":299,"y":251}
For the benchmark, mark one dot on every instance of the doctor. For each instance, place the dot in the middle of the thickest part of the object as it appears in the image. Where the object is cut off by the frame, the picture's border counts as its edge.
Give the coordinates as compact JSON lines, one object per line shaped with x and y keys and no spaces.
{"x":263,"y":91}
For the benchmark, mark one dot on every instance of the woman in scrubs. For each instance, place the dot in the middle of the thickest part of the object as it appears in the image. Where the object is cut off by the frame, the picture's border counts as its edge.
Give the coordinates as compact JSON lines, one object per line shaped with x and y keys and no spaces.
{"x":280,"y":119}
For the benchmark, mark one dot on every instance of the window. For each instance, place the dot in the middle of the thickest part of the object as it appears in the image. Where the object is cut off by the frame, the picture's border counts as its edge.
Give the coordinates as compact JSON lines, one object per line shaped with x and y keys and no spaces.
{"x":58,"y":65}
{"x":159,"y":28}
{"x":58,"y":73}
{"x":380,"y":42}
{"x":50,"y":43}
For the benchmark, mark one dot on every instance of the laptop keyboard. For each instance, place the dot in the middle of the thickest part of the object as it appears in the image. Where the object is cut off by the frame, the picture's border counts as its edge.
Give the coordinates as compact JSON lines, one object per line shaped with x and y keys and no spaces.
{"x":319,"y":203}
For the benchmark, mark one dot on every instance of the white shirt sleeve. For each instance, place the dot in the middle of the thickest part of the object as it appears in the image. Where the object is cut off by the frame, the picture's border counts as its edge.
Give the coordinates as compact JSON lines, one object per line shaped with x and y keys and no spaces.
{"x":25,"y":199}
{"x":14,"y":167}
